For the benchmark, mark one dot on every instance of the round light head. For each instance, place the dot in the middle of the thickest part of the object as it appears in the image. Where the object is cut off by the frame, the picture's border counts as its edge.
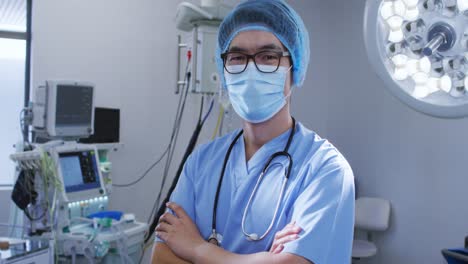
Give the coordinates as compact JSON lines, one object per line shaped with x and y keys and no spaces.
{"x":419,"y":49}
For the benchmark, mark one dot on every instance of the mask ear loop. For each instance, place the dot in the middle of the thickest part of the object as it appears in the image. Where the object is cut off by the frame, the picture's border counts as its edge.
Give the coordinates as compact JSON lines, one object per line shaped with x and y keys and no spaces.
{"x":292,"y":86}
{"x":223,"y":97}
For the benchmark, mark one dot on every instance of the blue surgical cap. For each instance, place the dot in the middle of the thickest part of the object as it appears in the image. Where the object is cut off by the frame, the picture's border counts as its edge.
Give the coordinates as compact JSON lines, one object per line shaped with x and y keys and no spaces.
{"x":273,"y":16}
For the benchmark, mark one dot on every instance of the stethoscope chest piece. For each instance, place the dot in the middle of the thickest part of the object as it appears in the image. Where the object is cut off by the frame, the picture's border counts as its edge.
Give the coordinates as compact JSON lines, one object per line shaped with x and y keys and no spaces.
{"x":252,"y":237}
{"x":215,"y":238}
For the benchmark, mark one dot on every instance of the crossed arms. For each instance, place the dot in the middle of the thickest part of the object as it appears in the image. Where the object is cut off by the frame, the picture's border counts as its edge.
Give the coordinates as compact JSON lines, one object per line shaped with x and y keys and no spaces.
{"x":183,"y":244}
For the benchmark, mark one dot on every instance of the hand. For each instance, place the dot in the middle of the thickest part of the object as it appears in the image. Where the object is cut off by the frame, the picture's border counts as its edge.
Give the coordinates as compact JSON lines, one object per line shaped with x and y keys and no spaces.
{"x":289,"y":233}
{"x":179,"y":232}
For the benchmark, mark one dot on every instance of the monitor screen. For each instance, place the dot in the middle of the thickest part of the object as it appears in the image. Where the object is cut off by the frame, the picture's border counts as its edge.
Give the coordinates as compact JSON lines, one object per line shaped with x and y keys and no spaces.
{"x":74,"y":105}
{"x":79,"y":171}
{"x":106,"y":126}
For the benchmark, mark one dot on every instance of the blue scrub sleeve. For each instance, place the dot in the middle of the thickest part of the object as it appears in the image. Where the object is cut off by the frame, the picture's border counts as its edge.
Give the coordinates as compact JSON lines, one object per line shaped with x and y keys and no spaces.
{"x":184,"y":194}
{"x":325,"y":212}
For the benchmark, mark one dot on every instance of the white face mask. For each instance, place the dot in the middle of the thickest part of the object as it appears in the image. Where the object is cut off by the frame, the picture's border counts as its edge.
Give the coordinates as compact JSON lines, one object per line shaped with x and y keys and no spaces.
{"x":257,"y":96}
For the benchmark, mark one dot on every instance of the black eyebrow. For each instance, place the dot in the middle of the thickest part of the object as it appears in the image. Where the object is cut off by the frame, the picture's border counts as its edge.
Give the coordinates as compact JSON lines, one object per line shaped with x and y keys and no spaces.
{"x":262,"y":48}
{"x":236,"y":49}
{"x":270,"y":47}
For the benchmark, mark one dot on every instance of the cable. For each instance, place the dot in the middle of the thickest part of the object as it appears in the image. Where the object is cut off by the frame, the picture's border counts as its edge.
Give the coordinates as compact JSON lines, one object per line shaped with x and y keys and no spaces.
{"x":166,"y":151}
{"x":33,"y":219}
{"x":22,"y":125}
{"x":145,"y":247}
{"x":25,"y":120}
{"x":208,"y":113}
{"x":179,"y":122}
{"x":154,"y":218}
{"x":218,"y":123}
{"x":223,"y":116}
{"x":29,"y":175}
{"x":170,"y":156}
{"x":176,"y":126}
{"x":201,"y":109}
{"x":144,"y":174}
{"x":49,"y":177}
{"x":188,"y":151}
{"x":172,"y":147}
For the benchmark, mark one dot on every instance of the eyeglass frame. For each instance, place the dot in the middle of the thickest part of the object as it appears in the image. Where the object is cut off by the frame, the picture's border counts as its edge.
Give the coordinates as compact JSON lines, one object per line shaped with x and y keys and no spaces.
{"x":280,"y":54}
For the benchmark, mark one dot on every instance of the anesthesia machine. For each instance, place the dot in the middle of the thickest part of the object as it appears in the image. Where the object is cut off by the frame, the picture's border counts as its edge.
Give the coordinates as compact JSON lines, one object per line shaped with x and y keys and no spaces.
{"x":63,"y":186}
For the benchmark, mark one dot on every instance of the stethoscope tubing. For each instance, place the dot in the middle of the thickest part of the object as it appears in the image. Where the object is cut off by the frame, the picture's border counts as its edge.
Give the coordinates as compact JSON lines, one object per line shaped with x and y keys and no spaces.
{"x":218,"y":189}
{"x":254,"y":237}
{"x":285,"y":153}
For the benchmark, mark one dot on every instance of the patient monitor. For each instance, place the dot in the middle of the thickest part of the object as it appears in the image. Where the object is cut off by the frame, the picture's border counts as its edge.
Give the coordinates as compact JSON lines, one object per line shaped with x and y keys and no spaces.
{"x":63,"y":109}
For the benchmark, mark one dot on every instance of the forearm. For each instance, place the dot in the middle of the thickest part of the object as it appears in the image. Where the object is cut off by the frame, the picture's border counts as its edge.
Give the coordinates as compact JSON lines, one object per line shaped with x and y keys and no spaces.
{"x":162,"y":254}
{"x":211,"y":254}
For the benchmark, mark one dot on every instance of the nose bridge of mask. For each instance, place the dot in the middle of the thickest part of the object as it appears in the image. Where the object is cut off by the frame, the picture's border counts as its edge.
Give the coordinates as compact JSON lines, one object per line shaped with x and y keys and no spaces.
{"x":252,"y":74}
{"x":271,"y":84}
{"x":276,"y":78}
{"x":246,"y":75}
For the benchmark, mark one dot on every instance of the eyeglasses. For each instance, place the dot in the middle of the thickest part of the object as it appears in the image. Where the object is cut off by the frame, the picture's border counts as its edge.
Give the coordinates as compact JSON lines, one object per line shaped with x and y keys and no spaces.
{"x":265,"y":61}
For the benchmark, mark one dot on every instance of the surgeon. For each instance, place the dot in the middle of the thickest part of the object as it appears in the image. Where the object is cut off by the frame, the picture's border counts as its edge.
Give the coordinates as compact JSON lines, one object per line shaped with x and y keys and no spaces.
{"x":273,"y":191}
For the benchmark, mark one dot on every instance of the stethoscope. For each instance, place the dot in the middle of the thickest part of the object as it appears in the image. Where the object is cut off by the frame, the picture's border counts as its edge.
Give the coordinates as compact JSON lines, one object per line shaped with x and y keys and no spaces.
{"x":216,"y":238}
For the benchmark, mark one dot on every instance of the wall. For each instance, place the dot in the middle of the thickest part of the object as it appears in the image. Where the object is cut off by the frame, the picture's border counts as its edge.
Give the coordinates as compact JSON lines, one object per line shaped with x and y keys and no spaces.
{"x":308,"y":102}
{"x":4,"y":205}
{"x":415,"y":161}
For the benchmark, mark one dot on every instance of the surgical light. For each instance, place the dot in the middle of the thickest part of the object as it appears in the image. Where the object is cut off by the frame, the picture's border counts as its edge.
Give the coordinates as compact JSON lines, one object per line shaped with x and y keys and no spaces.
{"x":462,"y":5}
{"x":420,"y":49}
{"x":411,"y":3}
{"x":395,"y":8}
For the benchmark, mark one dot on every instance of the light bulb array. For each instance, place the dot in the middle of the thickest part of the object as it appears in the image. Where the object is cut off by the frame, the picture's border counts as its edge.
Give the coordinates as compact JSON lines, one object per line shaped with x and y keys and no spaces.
{"x":415,"y":60}
{"x":407,"y":9}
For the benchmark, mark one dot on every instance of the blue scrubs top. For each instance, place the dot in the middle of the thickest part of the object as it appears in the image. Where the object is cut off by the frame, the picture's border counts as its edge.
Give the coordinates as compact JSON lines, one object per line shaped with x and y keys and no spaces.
{"x":319,"y":195}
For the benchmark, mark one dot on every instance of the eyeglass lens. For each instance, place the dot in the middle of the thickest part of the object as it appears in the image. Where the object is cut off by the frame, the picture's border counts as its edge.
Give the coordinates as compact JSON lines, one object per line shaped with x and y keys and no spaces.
{"x":266,"y":61}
